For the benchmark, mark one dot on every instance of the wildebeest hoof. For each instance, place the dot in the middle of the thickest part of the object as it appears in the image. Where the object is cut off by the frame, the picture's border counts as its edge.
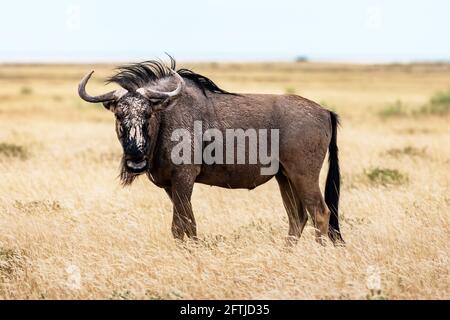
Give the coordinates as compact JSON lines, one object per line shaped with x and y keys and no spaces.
{"x":291,"y":241}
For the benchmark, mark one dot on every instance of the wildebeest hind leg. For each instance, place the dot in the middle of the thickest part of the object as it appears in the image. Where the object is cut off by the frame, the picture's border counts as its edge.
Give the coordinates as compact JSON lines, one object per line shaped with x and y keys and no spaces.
{"x":295,"y":210}
{"x":312,"y":199}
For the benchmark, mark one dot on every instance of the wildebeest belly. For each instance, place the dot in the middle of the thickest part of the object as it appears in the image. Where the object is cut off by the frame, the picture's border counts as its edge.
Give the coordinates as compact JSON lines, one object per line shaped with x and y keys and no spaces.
{"x":233,"y":176}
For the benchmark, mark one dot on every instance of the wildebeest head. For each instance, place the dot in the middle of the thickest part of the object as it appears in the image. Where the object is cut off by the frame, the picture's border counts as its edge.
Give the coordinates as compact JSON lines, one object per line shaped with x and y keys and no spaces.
{"x":133,"y":106}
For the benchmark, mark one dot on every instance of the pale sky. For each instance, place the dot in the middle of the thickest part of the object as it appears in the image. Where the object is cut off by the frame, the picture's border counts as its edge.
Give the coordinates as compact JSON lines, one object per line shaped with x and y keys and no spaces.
{"x":224,"y":30}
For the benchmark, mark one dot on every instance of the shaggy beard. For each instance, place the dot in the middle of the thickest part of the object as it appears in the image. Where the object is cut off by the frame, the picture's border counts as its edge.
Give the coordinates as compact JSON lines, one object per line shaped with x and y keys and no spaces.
{"x":126,"y":177}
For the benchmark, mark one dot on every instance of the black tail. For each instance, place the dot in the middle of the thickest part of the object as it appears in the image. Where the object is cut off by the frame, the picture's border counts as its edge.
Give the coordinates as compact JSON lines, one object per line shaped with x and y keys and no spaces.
{"x":332,"y":185}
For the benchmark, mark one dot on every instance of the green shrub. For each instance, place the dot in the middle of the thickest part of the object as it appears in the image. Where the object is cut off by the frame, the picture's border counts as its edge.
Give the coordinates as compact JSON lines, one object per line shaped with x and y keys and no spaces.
{"x":290,"y":90}
{"x":439,"y":105}
{"x":385,"y":176}
{"x":326,"y":105}
{"x":441,"y":98}
{"x":26,"y":91}
{"x":396,"y":109}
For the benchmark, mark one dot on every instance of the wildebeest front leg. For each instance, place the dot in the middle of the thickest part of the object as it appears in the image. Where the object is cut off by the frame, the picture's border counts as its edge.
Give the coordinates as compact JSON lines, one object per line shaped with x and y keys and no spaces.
{"x":183,"y":217}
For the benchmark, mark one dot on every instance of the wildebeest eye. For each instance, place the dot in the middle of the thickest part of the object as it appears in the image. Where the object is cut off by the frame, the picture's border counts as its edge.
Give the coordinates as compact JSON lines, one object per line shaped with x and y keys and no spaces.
{"x":155,"y":101}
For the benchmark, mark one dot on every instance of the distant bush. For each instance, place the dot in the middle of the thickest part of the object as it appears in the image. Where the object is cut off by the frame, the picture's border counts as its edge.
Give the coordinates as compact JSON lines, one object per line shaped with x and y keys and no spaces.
{"x":26,"y":91}
{"x":385,"y":176}
{"x":439,"y":105}
{"x":396,"y":109}
{"x":407,"y":151}
{"x":290,"y":90}
{"x":301,"y":59}
{"x":328,"y":106}
{"x":13,"y":151}
{"x":214,"y":65}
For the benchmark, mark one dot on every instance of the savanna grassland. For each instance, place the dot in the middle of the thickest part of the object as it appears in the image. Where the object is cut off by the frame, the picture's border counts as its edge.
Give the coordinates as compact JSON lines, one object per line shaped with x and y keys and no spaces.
{"x":69,"y":230}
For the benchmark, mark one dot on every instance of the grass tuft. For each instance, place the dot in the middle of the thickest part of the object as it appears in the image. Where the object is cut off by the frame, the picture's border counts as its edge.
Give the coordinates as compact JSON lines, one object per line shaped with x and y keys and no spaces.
{"x":396,"y":109}
{"x":10,"y":262}
{"x":290,"y":90}
{"x":439,"y":105}
{"x":384,"y":176}
{"x":11,"y":150}
{"x":406,"y":151}
{"x":328,"y":106}
{"x":57,"y":98}
{"x":26,"y":91}
{"x":37,"y":206}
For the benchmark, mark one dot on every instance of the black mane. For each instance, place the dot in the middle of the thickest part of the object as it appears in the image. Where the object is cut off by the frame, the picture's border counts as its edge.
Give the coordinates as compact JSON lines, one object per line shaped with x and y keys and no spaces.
{"x":137,"y":75}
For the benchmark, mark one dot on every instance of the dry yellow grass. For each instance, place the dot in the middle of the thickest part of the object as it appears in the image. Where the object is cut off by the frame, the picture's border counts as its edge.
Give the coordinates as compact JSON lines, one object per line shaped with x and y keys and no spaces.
{"x":68,"y":230}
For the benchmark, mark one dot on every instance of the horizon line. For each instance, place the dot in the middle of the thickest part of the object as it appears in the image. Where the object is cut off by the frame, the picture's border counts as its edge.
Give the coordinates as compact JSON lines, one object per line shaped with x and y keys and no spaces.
{"x":225,"y":61}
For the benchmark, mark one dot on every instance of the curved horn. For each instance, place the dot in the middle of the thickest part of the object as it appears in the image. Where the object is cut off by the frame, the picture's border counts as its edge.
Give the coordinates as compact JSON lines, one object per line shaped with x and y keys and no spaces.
{"x":150,"y":93}
{"x":86,"y":97}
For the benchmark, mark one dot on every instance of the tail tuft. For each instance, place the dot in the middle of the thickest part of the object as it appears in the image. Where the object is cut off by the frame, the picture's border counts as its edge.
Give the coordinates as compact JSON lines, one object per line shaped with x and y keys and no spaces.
{"x":332,"y":186}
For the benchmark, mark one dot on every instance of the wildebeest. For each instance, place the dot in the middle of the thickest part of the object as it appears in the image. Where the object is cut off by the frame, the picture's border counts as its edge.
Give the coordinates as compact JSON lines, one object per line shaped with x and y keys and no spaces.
{"x":155,"y":99}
